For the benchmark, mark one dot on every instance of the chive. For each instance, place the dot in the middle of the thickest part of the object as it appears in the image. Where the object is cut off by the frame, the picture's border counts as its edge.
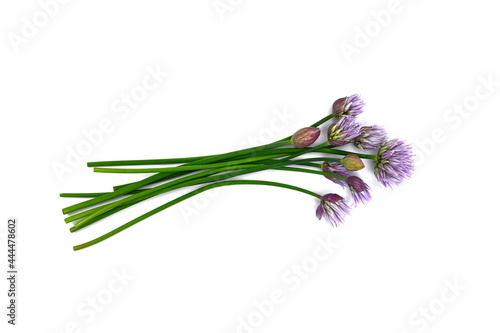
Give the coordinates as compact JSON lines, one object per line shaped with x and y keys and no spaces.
{"x":186,"y":196}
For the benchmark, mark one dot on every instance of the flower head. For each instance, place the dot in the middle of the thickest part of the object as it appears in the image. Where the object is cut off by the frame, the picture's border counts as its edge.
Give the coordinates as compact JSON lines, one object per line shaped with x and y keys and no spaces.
{"x":343,"y":131}
{"x":371,"y":137}
{"x":305,"y":137}
{"x":359,"y":189}
{"x":348,"y":106}
{"x":336,"y":168}
{"x":394,"y":162}
{"x":333,"y":208}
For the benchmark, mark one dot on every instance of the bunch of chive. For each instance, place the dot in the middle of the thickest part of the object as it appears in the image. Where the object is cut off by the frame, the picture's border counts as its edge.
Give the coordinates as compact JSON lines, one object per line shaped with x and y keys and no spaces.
{"x":393,"y":163}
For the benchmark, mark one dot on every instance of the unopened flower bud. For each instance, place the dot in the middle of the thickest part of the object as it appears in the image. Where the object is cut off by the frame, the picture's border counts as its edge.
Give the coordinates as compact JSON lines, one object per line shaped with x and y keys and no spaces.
{"x":352,"y":162}
{"x":305,"y":137}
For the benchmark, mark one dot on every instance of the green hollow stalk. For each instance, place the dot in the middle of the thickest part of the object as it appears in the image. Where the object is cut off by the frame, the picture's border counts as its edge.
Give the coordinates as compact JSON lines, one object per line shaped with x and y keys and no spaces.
{"x":112,"y":195}
{"x":187,"y":167}
{"x":186,"y":196}
{"x":90,"y":211}
{"x":155,"y":178}
{"x":146,"y":194}
{"x":182,"y":159}
{"x":96,"y":194}
{"x":145,"y":162}
{"x":161,"y":177}
{"x":193,"y":159}
{"x":284,"y":151}
{"x":85,"y":213}
{"x":169,"y":176}
{"x":107,"y":206}
{"x":176,"y":185}
{"x":84,"y":222}
{"x":89,"y":194}
{"x":344,"y":152}
{"x":113,"y":211}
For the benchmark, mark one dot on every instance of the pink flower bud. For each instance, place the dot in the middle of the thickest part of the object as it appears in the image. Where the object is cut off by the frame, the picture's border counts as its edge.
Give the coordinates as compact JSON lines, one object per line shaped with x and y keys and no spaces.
{"x":352,"y":162}
{"x":305,"y":137}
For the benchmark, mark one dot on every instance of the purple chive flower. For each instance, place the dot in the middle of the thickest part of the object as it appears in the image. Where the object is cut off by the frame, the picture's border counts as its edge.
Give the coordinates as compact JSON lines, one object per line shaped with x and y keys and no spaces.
{"x":333,"y":208}
{"x":336,"y":168}
{"x":371,"y":137}
{"x":359,"y":190}
{"x":343,"y":131}
{"x":394,"y":162}
{"x":348,"y":106}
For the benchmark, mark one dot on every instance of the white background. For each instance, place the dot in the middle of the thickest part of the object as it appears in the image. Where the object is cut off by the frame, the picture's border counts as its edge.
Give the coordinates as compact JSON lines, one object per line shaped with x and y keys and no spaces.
{"x":202,"y":266}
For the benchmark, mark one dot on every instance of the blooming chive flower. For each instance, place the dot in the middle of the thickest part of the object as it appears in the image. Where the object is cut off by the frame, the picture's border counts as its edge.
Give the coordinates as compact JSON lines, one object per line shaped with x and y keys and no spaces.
{"x":348,"y":106}
{"x":305,"y":137}
{"x":371,"y":137}
{"x":333,"y":208}
{"x":343,"y":131}
{"x":336,"y":168}
{"x":359,"y":190}
{"x":394,"y":162}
